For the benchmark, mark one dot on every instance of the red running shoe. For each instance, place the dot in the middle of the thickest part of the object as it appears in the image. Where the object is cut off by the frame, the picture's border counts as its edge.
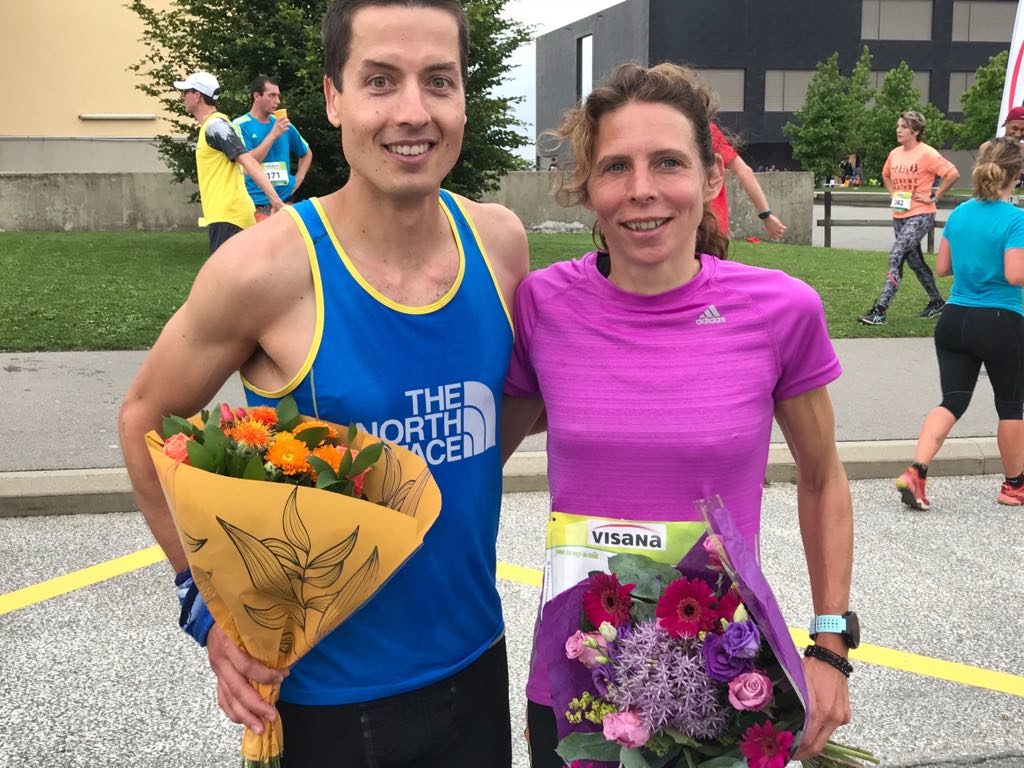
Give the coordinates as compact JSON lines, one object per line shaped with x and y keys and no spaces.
{"x":911,"y":488}
{"x":1010,"y":496}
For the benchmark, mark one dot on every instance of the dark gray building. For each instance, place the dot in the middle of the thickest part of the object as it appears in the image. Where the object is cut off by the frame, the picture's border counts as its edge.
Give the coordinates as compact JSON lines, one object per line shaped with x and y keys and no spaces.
{"x":759,"y":56}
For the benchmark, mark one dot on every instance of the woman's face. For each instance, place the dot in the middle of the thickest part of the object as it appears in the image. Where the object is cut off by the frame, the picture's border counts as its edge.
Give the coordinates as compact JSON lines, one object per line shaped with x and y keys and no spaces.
{"x":648,"y":185}
{"x":904,"y":135}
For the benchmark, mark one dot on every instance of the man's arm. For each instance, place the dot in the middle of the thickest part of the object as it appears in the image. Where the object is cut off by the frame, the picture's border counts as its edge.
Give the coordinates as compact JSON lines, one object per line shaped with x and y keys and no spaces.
{"x":745,"y":175}
{"x":826,"y":527}
{"x":504,"y":239}
{"x":255,"y":171}
{"x":518,"y":418}
{"x":300,"y":174}
{"x":280,"y":126}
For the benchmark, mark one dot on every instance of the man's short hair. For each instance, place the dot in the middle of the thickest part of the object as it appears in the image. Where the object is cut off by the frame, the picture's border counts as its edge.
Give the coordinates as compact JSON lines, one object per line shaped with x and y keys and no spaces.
{"x":260,"y":83}
{"x":336,"y":31}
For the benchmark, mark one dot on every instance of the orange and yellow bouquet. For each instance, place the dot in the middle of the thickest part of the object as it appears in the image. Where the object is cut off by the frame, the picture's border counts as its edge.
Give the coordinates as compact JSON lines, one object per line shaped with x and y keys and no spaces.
{"x":289,"y":525}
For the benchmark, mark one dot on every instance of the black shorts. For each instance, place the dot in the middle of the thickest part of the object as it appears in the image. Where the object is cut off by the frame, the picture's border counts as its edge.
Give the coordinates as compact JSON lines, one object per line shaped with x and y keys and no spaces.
{"x":460,"y":722}
{"x":219,"y":233}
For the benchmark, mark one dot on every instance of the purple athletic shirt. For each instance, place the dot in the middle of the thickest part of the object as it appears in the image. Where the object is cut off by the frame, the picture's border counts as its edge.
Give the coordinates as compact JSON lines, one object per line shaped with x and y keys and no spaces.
{"x":656,"y":401}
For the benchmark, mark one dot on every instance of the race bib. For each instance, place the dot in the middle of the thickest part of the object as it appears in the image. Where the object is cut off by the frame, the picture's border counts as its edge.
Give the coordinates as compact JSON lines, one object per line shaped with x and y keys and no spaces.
{"x":577,"y":545}
{"x":901,"y":201}
{"x":277,"y":173}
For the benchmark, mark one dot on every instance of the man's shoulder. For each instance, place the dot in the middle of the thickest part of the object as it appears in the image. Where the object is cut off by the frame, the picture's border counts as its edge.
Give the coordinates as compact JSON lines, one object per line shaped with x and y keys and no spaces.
{"x":503,"y":237}
{"x":242,"y":119}
{"x":491,"y":216}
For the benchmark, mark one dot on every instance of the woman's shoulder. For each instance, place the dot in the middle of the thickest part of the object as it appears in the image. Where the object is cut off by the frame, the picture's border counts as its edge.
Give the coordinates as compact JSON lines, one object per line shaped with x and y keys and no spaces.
{"x":558,"y":276}
{"x":765,"y":287}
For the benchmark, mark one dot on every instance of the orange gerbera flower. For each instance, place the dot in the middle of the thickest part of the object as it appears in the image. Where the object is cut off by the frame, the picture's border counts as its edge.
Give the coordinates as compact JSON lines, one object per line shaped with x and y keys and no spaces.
{"x":291,"y":456}
{"x":332,"y":433}
{"x":330,"y":454}
{"x":263,"y":414}
{"x":251,"y":433}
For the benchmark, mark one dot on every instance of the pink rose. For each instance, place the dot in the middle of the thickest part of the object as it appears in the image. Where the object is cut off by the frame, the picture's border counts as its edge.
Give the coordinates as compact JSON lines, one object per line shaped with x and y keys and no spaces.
{"x":713,"y":548}
{"x":174,"y":446}
{"x":626,"y":728}
{"x":581,"y":646}
{"x":226,"y":415}
{"x":750,"y":691}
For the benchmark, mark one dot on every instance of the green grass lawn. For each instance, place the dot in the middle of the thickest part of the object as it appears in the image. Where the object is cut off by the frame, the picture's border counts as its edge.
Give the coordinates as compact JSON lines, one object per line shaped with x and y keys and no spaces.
{"x":115,"y":290}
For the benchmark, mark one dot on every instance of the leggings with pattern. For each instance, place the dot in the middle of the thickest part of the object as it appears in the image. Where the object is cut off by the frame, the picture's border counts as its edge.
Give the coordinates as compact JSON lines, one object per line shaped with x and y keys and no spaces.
{"x":907,"y":248}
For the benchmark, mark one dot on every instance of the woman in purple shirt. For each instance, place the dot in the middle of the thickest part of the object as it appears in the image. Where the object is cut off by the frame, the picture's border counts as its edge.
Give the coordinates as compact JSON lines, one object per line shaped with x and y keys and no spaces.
{"x":661,"y":365}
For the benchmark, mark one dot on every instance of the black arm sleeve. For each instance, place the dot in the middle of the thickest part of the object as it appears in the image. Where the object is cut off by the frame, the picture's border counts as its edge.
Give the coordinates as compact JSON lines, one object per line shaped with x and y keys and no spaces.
{"x":220,"y":134}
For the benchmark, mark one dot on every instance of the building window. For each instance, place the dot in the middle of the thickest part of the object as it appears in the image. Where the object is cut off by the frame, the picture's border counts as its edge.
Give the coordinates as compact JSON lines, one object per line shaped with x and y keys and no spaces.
{"x":983,"y":21}
{"x":922,"y":82}
{"x":728,"y":86}
{"x":958,"y":83}
{"x":784,"y":89}
{"x":896,"y":20}
{"x":584,"y":67}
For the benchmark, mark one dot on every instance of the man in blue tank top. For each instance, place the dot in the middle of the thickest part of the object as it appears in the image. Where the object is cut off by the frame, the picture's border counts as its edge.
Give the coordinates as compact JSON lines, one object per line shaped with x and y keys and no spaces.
{"x":385,"y":303}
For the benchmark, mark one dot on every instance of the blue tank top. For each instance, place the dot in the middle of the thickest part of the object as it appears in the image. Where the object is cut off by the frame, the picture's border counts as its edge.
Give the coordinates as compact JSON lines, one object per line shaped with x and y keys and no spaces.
{"x":428,"y":378}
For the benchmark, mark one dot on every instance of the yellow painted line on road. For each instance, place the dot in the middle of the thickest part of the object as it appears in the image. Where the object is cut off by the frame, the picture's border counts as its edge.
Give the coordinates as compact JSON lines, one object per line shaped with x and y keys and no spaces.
{"x":926,"y":666}
{"x":37,"y":593}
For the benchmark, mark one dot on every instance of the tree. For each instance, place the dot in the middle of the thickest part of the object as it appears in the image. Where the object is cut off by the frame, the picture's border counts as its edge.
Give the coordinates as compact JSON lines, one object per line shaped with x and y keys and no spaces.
{"x":821,"y":128}
{"x":239,"y":39}
{"x":981,"y":103}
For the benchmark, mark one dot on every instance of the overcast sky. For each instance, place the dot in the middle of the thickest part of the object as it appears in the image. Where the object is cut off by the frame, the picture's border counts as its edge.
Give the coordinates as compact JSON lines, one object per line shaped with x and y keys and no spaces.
{"x":543,"y":16}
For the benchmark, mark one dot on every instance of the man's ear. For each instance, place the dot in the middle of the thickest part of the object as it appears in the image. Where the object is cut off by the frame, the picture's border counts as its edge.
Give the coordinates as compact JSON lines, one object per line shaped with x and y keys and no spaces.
{"x":331,"y":99}
{"x":715,"y":179}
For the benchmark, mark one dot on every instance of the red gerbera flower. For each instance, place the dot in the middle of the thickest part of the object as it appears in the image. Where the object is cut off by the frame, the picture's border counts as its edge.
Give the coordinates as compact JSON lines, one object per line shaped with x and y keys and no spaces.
{"x":607,"y":600}
{"x":686,"y":608}
{"x":764,"y":748}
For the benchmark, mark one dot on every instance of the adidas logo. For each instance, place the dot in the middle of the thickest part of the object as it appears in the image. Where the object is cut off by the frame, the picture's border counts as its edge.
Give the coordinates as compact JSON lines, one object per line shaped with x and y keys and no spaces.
{"x":711,"y":316}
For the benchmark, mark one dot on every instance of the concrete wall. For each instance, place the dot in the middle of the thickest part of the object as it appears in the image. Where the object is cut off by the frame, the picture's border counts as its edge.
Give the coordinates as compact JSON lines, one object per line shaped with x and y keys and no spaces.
{"x":153,"y":201}
{"x":95,"y":202}
{"x":790,"y":195}
{"x":38,"y":154}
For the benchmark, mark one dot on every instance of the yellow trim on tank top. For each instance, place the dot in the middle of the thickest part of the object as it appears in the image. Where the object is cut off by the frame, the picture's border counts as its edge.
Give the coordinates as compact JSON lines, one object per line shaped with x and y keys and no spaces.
{"x":318,"y":331}
{"x":380,"y":297}
{"x":487,"y":261}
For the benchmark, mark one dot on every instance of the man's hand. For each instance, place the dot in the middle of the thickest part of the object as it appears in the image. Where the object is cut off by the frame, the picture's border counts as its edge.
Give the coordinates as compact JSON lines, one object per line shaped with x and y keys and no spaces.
{"x":276,"y":204}
{"x":280,"y":126}
{"x":234,"y":670}
{"x":775,"y":228}
{"x":828,"y":701}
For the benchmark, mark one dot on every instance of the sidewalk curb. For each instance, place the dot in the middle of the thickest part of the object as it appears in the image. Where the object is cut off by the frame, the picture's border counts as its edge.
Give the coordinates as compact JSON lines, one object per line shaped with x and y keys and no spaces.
{"x":93,"y":491}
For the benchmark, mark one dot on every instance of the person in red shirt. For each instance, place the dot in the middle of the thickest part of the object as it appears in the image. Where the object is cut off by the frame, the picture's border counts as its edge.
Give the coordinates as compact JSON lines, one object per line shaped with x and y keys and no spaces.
{"x":731,"y":159}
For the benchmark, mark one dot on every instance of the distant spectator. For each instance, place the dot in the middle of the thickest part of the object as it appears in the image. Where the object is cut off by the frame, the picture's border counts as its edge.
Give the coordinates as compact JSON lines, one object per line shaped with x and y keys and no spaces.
{"x":554,"y":164}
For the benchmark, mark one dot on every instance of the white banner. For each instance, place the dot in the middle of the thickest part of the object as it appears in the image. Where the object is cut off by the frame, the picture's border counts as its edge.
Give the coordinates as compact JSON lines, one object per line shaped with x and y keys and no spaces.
{"x":1013,"y":89}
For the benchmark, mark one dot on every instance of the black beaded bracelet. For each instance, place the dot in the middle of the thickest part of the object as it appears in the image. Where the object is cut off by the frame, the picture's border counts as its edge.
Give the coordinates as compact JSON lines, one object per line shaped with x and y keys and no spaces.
{"x":830,"y":658}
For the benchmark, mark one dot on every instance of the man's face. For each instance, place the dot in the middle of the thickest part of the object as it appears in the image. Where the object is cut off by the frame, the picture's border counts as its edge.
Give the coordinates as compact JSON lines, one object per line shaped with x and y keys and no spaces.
{"x":1015,"y":129}
{"x":402,"y":107}
{"x":268,"y":101}
{"x":191,"y":99}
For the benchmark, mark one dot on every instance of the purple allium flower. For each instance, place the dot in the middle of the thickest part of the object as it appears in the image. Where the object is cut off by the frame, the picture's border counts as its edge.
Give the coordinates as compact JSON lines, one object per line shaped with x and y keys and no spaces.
{"x":665,"y":681}
{"x":721,"y":666}
{"x":743,"y":639}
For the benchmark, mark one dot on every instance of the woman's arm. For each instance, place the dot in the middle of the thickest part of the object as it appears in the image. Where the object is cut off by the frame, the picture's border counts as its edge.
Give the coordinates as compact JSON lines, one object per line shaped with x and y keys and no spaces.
{"x":518,"y":418}
{"x":826,"y":526}
{"x":1013,"y":266}
{"x":944,"y":259}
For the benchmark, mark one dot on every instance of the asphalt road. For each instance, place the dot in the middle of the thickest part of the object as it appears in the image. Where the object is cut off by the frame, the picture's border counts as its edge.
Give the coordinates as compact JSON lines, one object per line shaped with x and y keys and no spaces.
{"x":101,"y":676}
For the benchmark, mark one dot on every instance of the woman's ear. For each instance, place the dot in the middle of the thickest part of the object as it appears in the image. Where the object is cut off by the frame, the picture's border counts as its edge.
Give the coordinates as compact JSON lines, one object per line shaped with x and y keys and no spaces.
{"x":715,"y":179}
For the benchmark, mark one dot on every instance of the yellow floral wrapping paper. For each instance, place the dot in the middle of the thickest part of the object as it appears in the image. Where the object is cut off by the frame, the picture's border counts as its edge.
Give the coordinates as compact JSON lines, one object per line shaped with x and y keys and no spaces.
{"x":280,"y":565}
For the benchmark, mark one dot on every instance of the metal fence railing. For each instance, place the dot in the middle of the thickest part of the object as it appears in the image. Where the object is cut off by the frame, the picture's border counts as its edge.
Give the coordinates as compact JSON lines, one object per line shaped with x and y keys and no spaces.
{"x":875,"y":200}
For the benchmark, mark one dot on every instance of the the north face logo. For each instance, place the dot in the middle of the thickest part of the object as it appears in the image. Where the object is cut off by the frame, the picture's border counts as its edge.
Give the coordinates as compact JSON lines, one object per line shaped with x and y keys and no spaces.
{"x":711,"y":316}
{"x":447,"y":423}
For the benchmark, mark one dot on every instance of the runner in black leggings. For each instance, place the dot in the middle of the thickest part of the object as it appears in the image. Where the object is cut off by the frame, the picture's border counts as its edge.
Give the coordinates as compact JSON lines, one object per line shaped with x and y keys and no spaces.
{"x":909,"y":173}
{"x":983,"y":322}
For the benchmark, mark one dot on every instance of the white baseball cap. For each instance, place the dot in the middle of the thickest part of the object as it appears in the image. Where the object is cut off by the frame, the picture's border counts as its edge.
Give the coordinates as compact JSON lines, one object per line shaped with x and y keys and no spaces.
{"x":203,"y":82}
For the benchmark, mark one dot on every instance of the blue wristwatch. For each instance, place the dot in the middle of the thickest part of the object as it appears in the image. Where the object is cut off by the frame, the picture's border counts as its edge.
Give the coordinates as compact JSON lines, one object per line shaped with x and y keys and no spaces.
{"x":847,"y":626}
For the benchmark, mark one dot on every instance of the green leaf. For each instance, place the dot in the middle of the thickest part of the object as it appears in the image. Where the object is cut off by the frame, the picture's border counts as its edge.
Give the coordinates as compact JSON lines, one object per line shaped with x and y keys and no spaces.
{"x":254,"y":469}
{"x":366,"y":458}
{"x":725,"y":761}
{"x":172,"y":425}
{"x":588,"y":746}
{"x":324,"y":473}
{"x":352,"y":432}
{"x":217,"y":444}
{"x":313,"y":436}
{"x":199,"y":457}
{"x":287,"y":413}
{"x":650,"y":577}
{"x":213,"y":419}
{"x":346,"y":464}
{"x":632,"y":758}
{"x":641,"y":611}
